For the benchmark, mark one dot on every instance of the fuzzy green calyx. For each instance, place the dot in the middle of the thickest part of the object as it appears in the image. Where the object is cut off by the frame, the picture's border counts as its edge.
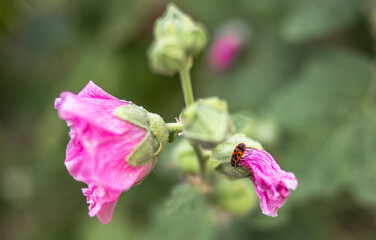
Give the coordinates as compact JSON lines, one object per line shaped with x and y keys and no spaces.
{"x":156,"y":137}
{"x":222,"y":156}
{"x":207,"y":122}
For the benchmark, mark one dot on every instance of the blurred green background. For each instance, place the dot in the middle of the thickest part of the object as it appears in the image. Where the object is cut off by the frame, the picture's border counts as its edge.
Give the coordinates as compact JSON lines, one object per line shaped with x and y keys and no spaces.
{"x":306,"y":71}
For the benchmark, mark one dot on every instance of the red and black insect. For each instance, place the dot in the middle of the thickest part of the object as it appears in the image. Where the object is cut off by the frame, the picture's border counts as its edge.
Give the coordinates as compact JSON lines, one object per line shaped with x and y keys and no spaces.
{"x":237,"y":154}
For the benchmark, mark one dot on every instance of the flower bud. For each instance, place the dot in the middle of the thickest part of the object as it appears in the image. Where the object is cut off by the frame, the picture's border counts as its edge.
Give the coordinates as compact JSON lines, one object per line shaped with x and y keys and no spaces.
{"x":176,"y":37}
{"x":228,"y":43}
{"x":222,"y":156}
{"x":166,"y":56}
{"x":155,"y":139}
{"x":172,"y":23}
{"x":207,"y":122}
{"x":195,"y":39}
{"x":234,"y":196}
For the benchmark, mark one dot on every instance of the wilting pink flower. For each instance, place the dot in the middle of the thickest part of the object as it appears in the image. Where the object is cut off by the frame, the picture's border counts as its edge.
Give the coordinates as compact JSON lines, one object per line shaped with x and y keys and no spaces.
{"x":99,"y":146}
{"x":271,"y":182}
{"x":226,"y":46}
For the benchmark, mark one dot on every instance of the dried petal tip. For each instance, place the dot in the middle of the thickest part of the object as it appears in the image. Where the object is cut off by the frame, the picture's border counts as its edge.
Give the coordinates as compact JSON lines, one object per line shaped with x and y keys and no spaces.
{"x":272,"y":184}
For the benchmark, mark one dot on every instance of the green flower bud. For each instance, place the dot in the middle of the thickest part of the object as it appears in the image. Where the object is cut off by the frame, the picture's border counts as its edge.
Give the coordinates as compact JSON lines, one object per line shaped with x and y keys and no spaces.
{"x":172,"y":23}
{"x":154,"y":141}
{"x":167,"y":56}
{"x":174,"y":30}
{"x":235,"y":196}
{"x":207,"y":122}
{"x":195,"y":39}
{"x":222,"y":156}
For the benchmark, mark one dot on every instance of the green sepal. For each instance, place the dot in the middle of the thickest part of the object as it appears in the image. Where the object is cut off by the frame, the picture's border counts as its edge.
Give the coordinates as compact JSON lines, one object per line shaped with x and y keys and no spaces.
{"x":159,"y":130}
{"x":134,"y":114}
{"x":156,"y":137}
{"x":145,"y":151}
{"x":222,"y":156}
{"x":229,"y":171}
{"x":207,"y":122}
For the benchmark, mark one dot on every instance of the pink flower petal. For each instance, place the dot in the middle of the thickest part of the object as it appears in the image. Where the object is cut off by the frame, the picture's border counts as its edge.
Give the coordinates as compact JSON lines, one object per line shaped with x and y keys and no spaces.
{"x":101,"y":202}
{"x":99,"y":147}
{"x":93,"y":91}
{"x":272,"y":184}
{"x":97,"y":112}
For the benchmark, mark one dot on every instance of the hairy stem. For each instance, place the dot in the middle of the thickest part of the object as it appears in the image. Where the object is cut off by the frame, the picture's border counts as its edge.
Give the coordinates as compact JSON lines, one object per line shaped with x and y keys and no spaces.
{"x":174,"y":127}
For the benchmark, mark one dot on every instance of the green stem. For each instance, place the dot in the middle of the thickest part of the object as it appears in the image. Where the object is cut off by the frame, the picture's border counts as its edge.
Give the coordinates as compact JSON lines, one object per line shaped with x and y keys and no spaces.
{"x":201,"y":160}
{"x":174,"y":127}
{"x":185,"y":80}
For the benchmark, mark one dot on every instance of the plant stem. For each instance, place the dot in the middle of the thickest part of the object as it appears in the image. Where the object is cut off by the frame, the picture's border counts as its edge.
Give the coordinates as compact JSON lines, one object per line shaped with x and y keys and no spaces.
{"x":186,"y":85}
{"x":185,"y":80}
{"x":174,"y":127}
{"x":201,"y":160}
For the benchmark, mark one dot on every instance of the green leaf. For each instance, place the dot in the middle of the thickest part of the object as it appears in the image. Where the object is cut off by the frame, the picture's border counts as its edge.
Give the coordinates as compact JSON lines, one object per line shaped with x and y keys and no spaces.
{"x":183,"y":216}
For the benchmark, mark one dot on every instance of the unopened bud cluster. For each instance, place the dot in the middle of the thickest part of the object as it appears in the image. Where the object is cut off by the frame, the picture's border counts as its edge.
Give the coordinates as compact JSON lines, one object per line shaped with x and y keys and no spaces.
{"x":176,"y":38}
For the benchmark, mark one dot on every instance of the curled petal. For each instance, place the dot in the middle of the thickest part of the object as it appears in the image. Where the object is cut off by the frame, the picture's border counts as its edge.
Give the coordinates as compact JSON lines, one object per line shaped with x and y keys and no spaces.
{"x":272,"y":184}
{"x":101,"y":202}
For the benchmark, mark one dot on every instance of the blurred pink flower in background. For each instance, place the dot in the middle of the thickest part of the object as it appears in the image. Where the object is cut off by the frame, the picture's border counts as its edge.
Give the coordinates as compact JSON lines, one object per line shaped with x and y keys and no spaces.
{"x":228,"y":42}
{"x":272,"y":184}
{"x":99,"y":146}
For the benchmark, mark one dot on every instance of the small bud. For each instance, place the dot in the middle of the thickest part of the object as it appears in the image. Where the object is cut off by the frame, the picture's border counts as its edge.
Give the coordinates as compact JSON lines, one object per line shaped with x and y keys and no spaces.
{"x":155,"y":139}
{"x":176,"y":38}
{"x":235,"y":196}
{"x":228,"y":43}
{"x":172,"y":23}
{"x":207,"y":122}
{"x":222,"y":156}
{"x":195,"y":39}
{"x":166,"y":56}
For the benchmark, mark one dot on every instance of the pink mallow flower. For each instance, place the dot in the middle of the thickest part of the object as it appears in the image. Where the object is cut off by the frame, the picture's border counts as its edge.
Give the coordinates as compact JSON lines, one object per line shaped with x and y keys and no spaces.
{"x":272,"y":184}
{"x":99,"y":146}
{"x":227,"y":44}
